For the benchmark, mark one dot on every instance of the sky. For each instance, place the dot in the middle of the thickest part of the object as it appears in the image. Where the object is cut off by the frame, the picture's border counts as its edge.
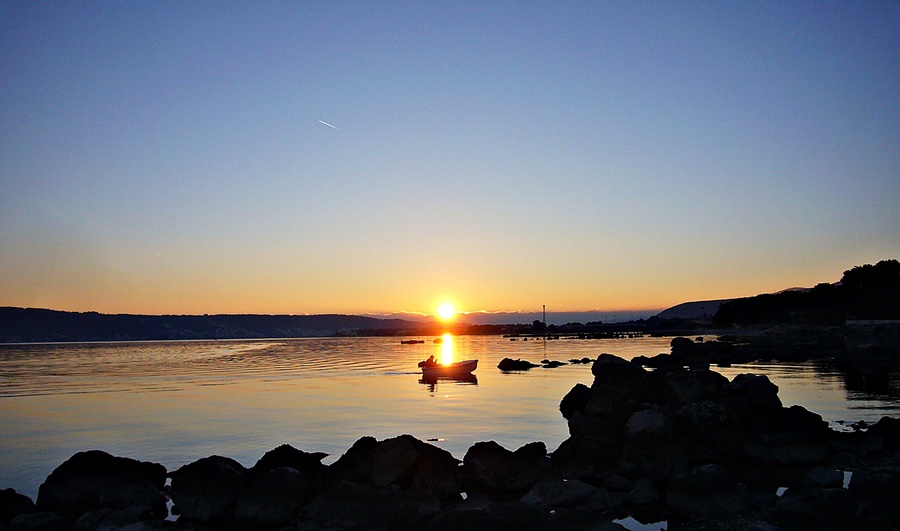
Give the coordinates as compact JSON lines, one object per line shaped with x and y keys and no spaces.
{"x":377,"y":157}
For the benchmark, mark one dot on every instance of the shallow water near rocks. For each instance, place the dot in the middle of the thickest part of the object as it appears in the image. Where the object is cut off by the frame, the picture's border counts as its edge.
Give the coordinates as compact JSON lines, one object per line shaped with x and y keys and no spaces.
{"x":176,"y":402}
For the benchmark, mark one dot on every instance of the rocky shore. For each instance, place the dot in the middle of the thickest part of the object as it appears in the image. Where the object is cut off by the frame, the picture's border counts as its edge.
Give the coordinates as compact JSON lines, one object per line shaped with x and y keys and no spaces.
{"x":684,"y":445}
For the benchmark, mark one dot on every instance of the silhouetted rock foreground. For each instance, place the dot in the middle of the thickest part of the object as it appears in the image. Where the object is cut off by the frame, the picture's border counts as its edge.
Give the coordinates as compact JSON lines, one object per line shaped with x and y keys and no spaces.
{"x":686,"y":446}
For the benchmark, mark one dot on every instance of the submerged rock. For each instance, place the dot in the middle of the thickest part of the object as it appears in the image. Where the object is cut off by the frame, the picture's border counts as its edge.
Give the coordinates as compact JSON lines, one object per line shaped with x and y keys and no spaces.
{"x":507,"y":364}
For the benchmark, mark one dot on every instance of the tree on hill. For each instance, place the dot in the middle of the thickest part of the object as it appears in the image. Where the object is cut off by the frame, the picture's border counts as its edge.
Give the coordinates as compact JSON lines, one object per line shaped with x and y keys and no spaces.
{"x":865,"y":292}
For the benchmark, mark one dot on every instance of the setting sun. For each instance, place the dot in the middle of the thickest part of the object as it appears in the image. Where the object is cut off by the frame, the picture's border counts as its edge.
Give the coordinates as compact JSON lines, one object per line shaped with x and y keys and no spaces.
{"x":446,"y":311}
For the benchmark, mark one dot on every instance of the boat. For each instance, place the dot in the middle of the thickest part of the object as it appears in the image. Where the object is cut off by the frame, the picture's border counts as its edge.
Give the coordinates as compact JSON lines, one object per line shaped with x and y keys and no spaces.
{"x":459,"y":368}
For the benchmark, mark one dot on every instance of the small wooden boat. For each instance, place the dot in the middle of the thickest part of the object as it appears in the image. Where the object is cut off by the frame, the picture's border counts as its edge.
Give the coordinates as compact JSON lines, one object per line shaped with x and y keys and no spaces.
{"x":454,"y":369}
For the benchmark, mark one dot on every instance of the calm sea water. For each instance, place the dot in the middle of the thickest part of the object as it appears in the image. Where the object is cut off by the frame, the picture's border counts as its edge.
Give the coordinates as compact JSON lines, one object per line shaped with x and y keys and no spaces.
{"x":175,"y":402}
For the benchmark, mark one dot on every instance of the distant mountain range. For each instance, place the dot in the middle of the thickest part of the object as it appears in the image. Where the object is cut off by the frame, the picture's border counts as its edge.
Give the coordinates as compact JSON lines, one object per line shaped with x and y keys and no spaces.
{"x":39,"y":325}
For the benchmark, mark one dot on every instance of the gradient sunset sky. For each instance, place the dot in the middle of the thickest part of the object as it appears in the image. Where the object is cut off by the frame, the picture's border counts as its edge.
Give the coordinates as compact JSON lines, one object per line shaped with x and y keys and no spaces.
{"x":366,"y":157}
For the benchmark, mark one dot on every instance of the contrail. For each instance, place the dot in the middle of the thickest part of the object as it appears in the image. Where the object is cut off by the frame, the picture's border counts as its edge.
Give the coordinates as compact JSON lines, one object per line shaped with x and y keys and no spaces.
{"x":328,"y":124}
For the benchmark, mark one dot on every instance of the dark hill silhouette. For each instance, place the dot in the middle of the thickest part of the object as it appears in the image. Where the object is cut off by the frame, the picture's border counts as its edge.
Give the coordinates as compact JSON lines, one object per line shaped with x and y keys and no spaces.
{"x":867,"y":292}
{"x":40,"y":325}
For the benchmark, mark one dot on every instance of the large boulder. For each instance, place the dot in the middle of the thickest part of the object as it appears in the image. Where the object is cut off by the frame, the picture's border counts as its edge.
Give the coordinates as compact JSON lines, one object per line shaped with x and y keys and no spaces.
{"x":491,"y":516}
{"x":553,"y":490}
{"x":793,"y":435}
{"x":706,"y":492}
{"x":402,"y":461}
{"x":575,"y":400}
{"x":347,"y":505}
{"x":613,"y":370}
{"x":92,"y":480}
{"x":713,"y":433}
{"x":273,"y":498}
{"x":208,"y":489}
{"x":13,"y":504}
{"x":683,"y":387}
{"x":582,"y":456}
{"x":649,"y":441}
{"x":490,"y":468}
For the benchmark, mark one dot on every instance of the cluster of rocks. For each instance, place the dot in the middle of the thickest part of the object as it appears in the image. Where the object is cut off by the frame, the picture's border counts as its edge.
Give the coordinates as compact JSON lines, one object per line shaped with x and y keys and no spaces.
{"x":683,"y":445}
{"x":510,"y":365}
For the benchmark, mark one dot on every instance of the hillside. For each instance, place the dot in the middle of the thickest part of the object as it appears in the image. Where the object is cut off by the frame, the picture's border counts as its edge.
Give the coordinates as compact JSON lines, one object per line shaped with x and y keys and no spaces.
{"x":693,"y":310}
{"x":38,"y":325}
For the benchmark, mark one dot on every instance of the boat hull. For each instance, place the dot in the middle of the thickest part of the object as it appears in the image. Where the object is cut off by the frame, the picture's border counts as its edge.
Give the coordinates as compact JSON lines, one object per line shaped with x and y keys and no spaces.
{"x":454,"y":369}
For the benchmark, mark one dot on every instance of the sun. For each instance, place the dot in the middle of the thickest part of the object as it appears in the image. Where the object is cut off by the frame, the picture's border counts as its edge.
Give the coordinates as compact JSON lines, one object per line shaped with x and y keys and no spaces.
{"x":446,"y":311}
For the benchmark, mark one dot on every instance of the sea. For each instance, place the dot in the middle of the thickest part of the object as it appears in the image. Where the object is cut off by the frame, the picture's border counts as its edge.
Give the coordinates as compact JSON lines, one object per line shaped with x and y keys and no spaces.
{"x":174,"y":402}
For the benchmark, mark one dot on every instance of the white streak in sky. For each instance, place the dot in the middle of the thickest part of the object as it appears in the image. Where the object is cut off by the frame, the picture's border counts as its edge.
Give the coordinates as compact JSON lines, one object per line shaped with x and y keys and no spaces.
{"x":328,"y":124}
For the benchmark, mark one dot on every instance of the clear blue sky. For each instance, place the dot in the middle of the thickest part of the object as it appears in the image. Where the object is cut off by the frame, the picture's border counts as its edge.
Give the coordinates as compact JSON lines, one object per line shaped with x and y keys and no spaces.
{"x":170,"y":157}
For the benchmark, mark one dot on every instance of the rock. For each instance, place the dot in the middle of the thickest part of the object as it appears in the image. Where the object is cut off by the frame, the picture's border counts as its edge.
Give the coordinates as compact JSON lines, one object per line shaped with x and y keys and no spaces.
{"x":273,"y":498}
{"x":13,"y":504}
{"x":877,"y":491}
{"x":113,"y":518}
{"x":824,"y":477}
{"x":403,"y":461}
{"x":649,"y":442}
{"x":92,"y":480}
{"x":643,"y":493}
{"x":490,"y":468}
{"x":706,"y":492}
{"x":552,"y":364}
{"x":208,"y":489}
{"x":811,"y":507}
{"x":715,"y":433}
{"x":683,"y":387}
{"x":40,"y":521}
{"x":554,"y":491}
{"x":793,"y":436}
{"x":507,"y":364}
{"x":888,"y":429}
{"x":575,"y":400}
{"x":613,"y":370}
{"x":581,"y":456}
{"x":308,"y":464}
{"x":491,"y":516}
{"x":347,"y":505}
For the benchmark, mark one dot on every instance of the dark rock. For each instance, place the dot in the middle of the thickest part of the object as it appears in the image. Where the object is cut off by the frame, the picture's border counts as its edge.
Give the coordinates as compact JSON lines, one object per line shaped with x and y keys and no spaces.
{"x":113,"y":518}
{"x":877,"y":491}
{"x":715,"y":433}
{"x":649,"y":442}
{"x":491,"y":516}
{"x":793,"y":436}
{"x":403,"y":461}
{"x":811,"y":507}
{"x":92,"y":480}
{"x":490,"y":468}
{"x":308,"y":464}
{"x":41,"y":521}
{"x":552,"y":364}
{"x":643,"y":493}
{"x":273,"y":498}
{"x":684,"y":387}
{"x":888,"y":429}
{"x":706,"y":492}
{"x":507,"y":364}
{"x":588,"y":425}
{"x":554,"y":491}
{"x":347,"y":505}
{"x":613,"y":370}
{"x":575,"y":400}
{"x":581,"y":456}
{"x":824,"y":477}
{"x":208,"y":489}
{"x":13,"y":504}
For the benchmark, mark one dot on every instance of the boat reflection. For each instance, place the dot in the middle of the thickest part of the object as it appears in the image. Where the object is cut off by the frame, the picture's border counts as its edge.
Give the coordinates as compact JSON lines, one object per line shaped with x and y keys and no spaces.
{"x":432,"y":381}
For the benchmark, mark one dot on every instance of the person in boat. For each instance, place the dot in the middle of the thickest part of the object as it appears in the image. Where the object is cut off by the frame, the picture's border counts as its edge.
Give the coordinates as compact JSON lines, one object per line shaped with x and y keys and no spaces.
{"x":430,"y":362}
